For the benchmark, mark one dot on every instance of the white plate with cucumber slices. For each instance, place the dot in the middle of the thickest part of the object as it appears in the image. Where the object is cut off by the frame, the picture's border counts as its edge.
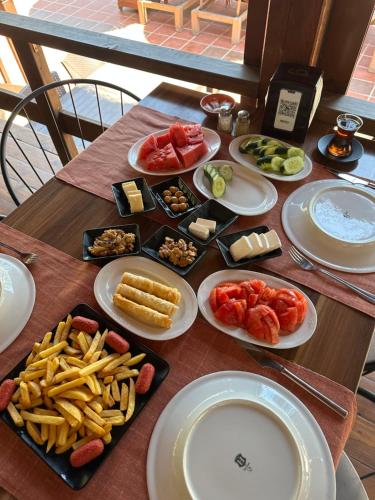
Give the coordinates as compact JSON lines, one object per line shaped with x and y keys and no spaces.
{"x":247,"y":193}
{"x":271,"y":170}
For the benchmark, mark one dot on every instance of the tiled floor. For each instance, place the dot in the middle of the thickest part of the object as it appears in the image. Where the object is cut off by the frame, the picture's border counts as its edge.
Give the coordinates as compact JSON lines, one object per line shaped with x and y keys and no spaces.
{"x":214,"y":40}
{"x":362,"y":84}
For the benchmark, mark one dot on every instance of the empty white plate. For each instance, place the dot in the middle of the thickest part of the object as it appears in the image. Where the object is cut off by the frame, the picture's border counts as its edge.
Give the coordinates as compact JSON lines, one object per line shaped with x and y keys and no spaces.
{"x":211,"y":137}
{"x":250,"y":162}
{"x":234,"y":435}
{"x":110,"y":276}
{"x":303,"y":233}
{"x":299,"y":337}
{"x":248,"y":193}
{"x":17,"y":298}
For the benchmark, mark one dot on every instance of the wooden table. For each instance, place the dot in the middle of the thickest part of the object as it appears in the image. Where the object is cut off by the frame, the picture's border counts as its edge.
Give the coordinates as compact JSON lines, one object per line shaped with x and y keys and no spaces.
{"x":58,"y":213}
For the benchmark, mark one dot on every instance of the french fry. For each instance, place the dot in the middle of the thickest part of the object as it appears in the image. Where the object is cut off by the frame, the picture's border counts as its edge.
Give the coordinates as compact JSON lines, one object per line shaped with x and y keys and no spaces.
{"x":62,"y":434}
{"x":81,"y":394}
{"x":25,"y":399}
{"x":104,"y":353}
{"x":44,"y":432}
{"x":82,"y":341}
{"x":64,"y":387}
{"x":116,"y":362}
{"x":111,"y":413}
{"x":34,"y":403}
{"x":115,"y":391}
{"x":108,"y":379}
{"x":49,"y":373}
{"x":54,"y":349}
{"x":107,"y":438}
{"x":69,"y":408}
{"x":41,"y":363}
{"x":83,"y":441}
{"x":124,"y":397}
{"x":95,"y":428}
{"x":15,"y":415}
{"x":46,"y":341}
{"x":93,"y":347}
{"x":98,"y":365}
{"x":59,"y":330}
{"x":26,"y":377}
{"x":52,"y":431}
{"x":36,"y":347}
{"x":131,"y":400}
{"x":34,"y":433}
{"x":126,"y":374}
{"x":64,"y":365}
{"x":88,"y":339}
{"x":93,"y":415}
{"x":34,"y":389}
{"x":67,"y":326}
{"x":115,"y":420}
{"x":16,"y":395}
{"x":102,"y":340}
{"x":71,"y":373}
{"x":95,"y":356}
{"x":30,"y":358}
{"x":97,"y":407}
{"x":135,"y":359}
{"x":71,"y":351}
{"x":76,"y":362}
{"x":68,"y":417}
{"x":69,"y":443}
{"x":48,"y":402}
{"x":44,"y":411}
{"x":42,"y":419}
{"x":106,"y":395}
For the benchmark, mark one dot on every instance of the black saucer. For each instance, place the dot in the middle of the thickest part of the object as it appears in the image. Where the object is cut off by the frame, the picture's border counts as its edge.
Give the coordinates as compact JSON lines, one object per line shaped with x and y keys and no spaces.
{"x":357,"y":150}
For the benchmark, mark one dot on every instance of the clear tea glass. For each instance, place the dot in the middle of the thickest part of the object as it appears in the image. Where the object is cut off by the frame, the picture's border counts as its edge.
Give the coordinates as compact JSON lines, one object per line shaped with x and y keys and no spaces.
{"x":341,"y":144}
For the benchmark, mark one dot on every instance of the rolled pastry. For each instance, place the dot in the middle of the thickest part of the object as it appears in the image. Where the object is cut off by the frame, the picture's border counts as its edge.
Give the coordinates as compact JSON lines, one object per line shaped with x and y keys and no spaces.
{"x":146,"y":299}
{"x":142,"y":313}
{"x":152,"y":287}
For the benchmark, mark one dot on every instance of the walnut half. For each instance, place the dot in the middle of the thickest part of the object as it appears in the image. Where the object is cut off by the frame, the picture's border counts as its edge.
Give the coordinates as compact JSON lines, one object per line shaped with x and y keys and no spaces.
{"x":179,"y":253}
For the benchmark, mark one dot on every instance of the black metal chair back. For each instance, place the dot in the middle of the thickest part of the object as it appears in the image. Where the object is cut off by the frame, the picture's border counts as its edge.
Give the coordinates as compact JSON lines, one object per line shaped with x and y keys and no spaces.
{"x":28,"y":164}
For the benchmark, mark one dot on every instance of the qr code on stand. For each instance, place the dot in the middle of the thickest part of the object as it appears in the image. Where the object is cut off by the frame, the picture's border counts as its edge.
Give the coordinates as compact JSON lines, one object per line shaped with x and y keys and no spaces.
{"x":287,"y":108}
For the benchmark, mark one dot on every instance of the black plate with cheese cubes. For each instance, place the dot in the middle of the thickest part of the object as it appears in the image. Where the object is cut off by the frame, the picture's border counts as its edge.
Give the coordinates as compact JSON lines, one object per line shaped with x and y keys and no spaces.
{"x":159,"y":190}
{"x":207,"y":222}
{"x":259,"y":241}
{"x":133,"y":196}
{"x":90,"y":235}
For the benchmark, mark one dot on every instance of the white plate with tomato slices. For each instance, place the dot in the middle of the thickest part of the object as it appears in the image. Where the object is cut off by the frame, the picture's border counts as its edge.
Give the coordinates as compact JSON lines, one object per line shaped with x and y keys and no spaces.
{"x":166,"y":162}
{"x":302,"y":333}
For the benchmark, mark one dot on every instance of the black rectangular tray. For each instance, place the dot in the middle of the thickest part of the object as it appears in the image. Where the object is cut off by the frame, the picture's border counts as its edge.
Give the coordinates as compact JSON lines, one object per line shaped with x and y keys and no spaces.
{"x":157,"y":190}
{"x":226,"y":241}
{"x":90,"y":234}
{"x":76,"y":478}
{"x":122,"y":203}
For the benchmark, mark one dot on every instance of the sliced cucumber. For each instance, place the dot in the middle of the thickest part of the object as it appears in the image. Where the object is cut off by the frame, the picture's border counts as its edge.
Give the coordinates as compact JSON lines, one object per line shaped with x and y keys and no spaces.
{"x":226,"y":172}
{"x":276,"y":163}
{"x":281,"y":151}
{"x":296,"y":152}
{"x":218,"y":186}
{"x":292,"y":165}
{"x":265,"y":160}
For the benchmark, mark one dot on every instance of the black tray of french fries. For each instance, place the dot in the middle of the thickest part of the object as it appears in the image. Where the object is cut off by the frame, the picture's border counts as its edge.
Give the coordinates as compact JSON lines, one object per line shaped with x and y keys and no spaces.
{"x":76,"y":478}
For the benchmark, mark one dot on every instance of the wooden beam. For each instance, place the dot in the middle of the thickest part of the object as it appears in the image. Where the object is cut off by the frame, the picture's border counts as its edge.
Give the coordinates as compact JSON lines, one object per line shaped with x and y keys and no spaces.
{"x":8,"y":6}
{"x":255,"y":31}
{"x":38,"y":74}
{"x":239,"y":78}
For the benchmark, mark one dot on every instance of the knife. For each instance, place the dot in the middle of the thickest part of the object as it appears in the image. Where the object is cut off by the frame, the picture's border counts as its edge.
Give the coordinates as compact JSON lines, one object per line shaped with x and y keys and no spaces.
{"x":353,"y":179}
{"x":262,"y":359}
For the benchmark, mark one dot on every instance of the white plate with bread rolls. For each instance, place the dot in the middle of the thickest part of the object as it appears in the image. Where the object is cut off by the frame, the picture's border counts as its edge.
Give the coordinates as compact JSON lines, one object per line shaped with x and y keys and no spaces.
{"x":146,"y":298}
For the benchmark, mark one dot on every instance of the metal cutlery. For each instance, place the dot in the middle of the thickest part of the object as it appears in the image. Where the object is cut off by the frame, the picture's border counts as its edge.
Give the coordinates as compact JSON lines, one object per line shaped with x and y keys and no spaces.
{"x":307,"y":265}
{"x":262,"y":359}
{"x":353,"y":179}
{"x":25,"y":257}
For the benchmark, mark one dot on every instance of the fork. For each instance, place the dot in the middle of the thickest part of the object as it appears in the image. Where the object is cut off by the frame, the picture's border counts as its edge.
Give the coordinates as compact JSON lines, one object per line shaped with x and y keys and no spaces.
{"x":307,"y":265}
{"x":25,"y":257}
{"x":260,"y":356}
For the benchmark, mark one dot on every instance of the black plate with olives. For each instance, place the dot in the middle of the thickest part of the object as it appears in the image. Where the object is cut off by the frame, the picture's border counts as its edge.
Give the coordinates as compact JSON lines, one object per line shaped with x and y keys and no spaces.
{"x":174,"y":196}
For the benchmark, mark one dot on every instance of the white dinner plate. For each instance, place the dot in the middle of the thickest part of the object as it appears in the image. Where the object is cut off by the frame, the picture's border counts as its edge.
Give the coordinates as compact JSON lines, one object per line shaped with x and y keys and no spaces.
{"x":303,"y":233}
{"x":110,"y":276}
{"x":211,"y":137}
{"x":246,"y":194}
{"x":249,"y":161}
{"x":299,"y":337}
{"x":234,"y":435}
{"x":17,"y":298}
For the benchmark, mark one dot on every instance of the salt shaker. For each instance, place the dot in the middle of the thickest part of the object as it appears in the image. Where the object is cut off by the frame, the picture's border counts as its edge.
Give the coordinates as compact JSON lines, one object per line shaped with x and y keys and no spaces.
{"x":242,"y":125}
{"x":225,"y":120}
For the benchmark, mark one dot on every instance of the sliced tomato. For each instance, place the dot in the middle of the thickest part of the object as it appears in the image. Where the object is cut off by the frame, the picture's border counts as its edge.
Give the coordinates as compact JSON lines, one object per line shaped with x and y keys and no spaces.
{"x":284,"y":302}
{"x":288,"y":320}
{"x":162,"y":159}
{"x":191,"y":153}
{"x":213,"y":300}
{"x":178,"y":135}
{"x":258,"y":286}
{"x":146,"y":148}
{"x":227,"y":283}
{"x":241,"y":307}
{"x":221,"y":296}
{"x":252,"y":300}
{"x":194,"y":133}
{"x":262,"y":323}
{"x":267,"y":296}
{"x":163,"y":140}
{"x":229,"y":313}
{"x":233,"y":291}
{"x":301,"y":305}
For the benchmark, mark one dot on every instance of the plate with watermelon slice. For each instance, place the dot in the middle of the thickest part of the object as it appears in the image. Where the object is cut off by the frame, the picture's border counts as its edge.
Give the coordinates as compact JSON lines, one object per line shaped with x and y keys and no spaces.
{"x":174,"y":150}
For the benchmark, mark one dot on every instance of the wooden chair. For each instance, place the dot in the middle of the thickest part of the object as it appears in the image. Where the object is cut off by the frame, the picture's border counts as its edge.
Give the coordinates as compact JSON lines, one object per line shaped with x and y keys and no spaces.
{"x":27,"y":165}
{"x":211,"y":10}
{"x":176,"y":7}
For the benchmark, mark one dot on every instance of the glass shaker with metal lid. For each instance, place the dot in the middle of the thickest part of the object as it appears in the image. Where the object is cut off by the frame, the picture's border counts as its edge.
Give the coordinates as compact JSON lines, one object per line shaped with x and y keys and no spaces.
{"x":225,"y":120}
{"x":242,"y":125}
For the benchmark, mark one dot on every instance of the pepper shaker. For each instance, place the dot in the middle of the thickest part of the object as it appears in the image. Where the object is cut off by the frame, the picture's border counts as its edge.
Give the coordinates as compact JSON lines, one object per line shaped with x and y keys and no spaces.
{"x":242,"y":126}
{"x":225,"y":120}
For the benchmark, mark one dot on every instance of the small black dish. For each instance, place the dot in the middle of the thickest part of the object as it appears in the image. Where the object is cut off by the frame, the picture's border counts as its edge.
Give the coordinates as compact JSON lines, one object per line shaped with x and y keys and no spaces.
{"x":152,"y":245}
{"x":356,"y":154}
{"x":90,"y":234}
{"x":226,"y":241}
{"x":213,"y":210}
{"x":122,"y":203}
{"x":157,"y":190}
{"x":76,"y":478}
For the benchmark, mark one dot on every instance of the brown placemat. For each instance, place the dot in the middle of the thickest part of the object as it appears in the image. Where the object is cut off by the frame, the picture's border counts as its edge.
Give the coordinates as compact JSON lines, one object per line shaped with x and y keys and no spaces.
{"x":62,"y":282}
{"x":105,"y":162}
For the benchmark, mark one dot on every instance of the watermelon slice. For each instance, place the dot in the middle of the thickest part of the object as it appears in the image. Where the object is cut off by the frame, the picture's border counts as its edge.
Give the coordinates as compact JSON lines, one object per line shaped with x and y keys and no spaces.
{"x":191,"y":153}
{"x":194,"y":133}
{"x":163,"y":140}
{"x":162,"y":159}
{"x":146,"y":148}
{"x":178,"y":135}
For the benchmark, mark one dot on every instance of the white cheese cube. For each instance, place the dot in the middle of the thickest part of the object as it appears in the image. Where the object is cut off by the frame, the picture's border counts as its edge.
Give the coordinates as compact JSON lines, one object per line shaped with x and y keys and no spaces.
{"x":264,"y":243}
{"x":201,"y":232}
{"x":273,"y":240}
{"x":256,"y":244}
{"x":129,"y":186}
{"x":211,"y":224}
{"x":136,"y":202}
{"x":241,"y":249}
